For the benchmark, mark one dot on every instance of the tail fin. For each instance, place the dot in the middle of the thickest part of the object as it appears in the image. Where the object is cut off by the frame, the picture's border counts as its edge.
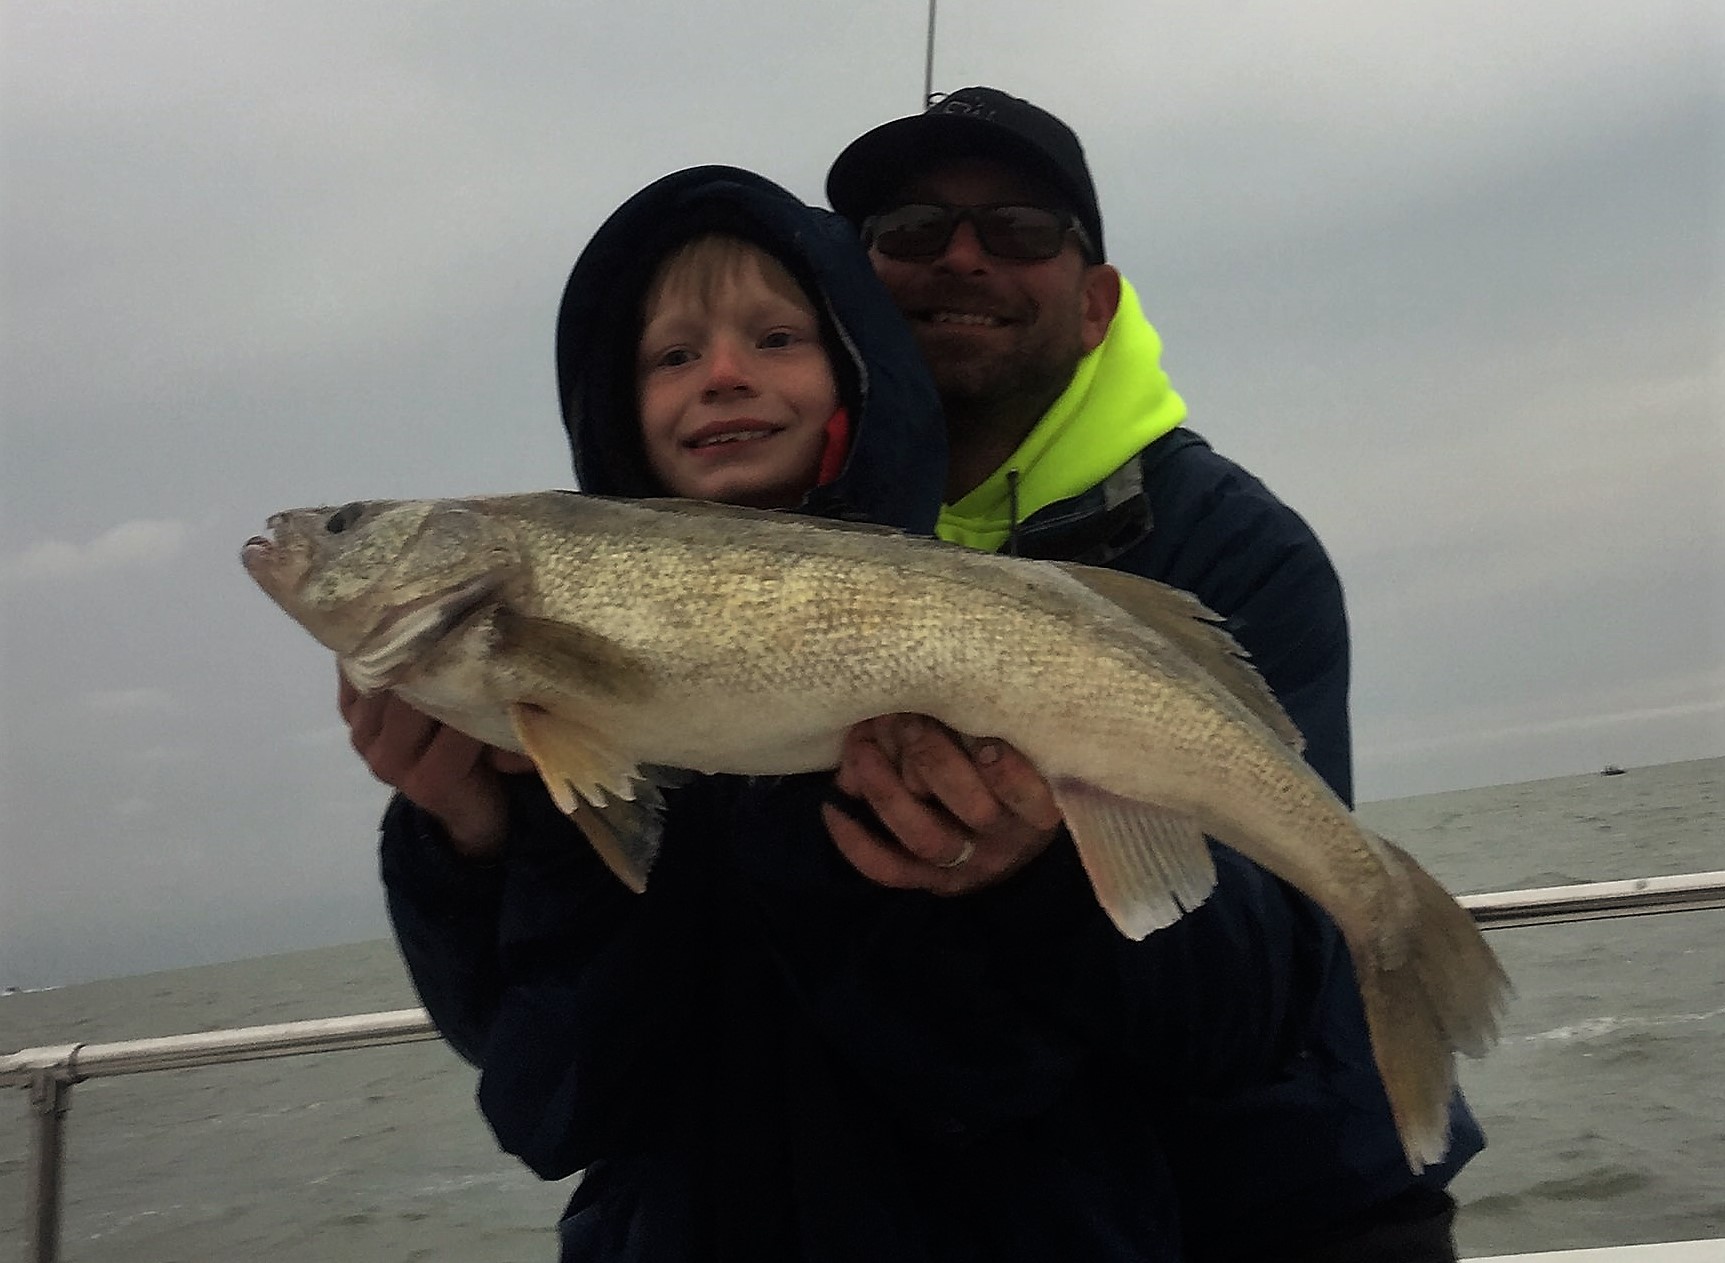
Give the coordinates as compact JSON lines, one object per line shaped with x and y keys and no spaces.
{"x":1444,"y":997}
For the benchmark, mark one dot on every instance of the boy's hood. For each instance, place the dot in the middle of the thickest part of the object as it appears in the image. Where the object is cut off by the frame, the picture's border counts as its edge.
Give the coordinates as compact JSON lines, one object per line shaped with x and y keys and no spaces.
{"x":896,"y":467}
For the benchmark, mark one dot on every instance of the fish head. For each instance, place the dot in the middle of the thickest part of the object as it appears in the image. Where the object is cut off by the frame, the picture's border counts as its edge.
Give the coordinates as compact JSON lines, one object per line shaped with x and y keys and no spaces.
{"x":381,"y":581}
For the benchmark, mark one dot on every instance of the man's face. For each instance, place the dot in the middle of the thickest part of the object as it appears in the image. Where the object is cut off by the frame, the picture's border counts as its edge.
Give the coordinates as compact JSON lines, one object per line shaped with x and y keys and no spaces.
{"x":996,"y":330}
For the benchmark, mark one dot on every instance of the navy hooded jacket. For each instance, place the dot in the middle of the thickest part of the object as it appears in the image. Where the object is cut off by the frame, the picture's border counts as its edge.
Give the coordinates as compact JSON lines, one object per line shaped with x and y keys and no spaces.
{"x":768,"y":1057}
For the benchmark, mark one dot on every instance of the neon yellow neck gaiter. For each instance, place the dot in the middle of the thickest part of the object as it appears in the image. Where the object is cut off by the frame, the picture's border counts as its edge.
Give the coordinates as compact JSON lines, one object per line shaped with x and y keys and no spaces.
{"x":1119,"y":401}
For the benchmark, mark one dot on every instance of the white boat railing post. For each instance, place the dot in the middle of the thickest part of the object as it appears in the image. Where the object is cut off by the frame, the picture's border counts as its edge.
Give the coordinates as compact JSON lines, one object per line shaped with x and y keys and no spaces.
{"x":50,"y":1101}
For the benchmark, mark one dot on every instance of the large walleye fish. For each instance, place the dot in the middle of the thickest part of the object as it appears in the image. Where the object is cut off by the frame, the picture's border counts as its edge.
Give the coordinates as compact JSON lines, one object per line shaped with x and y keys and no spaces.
{"x":608,"y":638}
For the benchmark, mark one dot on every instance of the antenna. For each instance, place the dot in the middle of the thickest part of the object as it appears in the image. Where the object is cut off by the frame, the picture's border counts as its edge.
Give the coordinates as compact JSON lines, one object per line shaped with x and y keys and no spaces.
{"x":928,"y":63}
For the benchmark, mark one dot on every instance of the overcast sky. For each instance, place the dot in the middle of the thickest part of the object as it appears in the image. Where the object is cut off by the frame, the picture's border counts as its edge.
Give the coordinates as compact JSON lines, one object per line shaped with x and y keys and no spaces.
{"x":1446,"y":273}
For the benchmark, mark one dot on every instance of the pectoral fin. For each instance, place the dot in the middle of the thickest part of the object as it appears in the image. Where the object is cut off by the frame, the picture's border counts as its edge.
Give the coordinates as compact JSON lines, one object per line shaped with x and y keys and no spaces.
{"x":602,"y":790}
{"x":566,"y":658}
{"x":1147,"y":865}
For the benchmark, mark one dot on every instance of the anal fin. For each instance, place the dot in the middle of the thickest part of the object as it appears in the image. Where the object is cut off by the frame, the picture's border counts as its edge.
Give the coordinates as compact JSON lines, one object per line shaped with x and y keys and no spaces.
{"x":606,"y":794}
{"x":1148,"y":865}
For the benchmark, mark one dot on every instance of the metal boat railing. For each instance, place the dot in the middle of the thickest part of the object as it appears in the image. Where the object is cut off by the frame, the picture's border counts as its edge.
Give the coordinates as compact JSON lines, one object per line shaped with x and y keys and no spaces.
{"x":49,"y":1072}
{"x":1597,"y":901}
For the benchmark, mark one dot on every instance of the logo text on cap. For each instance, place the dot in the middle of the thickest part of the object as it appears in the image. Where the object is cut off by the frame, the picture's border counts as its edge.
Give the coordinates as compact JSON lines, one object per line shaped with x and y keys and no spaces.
{"x":961,"y":105}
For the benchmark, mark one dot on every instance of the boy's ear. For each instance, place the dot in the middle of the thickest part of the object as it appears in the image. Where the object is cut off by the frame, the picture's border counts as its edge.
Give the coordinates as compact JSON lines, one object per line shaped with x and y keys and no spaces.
{"x":1101,"y":299}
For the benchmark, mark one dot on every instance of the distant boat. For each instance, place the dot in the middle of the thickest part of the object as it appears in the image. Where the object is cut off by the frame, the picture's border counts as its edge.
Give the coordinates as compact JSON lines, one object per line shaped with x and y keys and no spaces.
{"x":1611,"y":769}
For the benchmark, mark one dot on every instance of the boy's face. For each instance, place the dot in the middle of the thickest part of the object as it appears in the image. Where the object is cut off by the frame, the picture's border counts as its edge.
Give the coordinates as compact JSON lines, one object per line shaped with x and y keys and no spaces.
{"x":735,"y":393}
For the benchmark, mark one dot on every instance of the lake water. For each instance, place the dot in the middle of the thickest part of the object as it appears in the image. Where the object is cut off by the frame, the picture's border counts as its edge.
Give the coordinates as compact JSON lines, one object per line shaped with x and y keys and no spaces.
{"x":1605,"y":1103}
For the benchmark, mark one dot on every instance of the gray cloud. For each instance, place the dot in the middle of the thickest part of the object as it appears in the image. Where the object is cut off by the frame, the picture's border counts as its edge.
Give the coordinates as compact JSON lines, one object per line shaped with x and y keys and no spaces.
{"x":1447,"y":276}
{"x":144,"y":542}
{"x":126,"y":701}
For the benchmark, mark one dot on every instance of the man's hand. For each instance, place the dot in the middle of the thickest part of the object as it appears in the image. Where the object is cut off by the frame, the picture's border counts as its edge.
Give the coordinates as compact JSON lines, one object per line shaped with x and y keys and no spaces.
{"x":442,"y":771}
{"x":959,"y":821}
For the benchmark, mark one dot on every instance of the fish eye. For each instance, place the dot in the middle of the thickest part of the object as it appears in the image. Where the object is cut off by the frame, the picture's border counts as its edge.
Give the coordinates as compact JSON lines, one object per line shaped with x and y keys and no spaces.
{"x":343,"y":518}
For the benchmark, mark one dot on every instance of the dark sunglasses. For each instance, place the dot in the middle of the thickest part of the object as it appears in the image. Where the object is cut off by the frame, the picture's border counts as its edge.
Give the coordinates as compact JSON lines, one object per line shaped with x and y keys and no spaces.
{"x":923,"y":230}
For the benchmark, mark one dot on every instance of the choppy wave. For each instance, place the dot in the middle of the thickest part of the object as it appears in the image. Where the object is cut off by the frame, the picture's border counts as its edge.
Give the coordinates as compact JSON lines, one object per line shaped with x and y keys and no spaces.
{"x":1595,"y":1027}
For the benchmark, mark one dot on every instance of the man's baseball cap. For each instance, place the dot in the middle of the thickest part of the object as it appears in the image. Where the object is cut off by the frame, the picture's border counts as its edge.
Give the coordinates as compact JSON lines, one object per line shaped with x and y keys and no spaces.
{"x":969,"y":123}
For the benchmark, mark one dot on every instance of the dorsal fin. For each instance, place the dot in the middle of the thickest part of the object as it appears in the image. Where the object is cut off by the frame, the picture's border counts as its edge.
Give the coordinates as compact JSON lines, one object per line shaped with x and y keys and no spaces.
{"x":1195,"y":630}
{"x":738,"y":513}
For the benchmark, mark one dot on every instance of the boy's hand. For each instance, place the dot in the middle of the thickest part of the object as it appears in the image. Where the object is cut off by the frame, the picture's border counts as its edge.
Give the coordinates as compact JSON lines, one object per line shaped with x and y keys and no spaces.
{"x":959,"y":821}
{"x":444,"y":772}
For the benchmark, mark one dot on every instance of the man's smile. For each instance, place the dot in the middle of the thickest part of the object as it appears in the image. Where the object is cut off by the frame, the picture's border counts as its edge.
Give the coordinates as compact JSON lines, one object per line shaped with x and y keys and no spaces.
{"x":963,"y":318}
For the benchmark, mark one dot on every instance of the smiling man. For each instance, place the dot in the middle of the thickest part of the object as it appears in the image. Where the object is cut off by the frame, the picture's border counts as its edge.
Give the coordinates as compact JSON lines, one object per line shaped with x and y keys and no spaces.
{"x":1066,"y":442}
{"x":1002,"y":339}
{"x":982,"y":219}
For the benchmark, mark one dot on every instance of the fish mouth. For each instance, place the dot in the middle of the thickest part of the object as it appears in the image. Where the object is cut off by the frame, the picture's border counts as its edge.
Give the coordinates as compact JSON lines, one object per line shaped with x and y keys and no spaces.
{"x":267,"y":557}
{"x":257,"y":551}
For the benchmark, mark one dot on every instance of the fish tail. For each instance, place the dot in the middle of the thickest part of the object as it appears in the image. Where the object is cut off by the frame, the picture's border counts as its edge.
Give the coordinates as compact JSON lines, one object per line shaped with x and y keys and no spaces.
{"x":1442,"y":995}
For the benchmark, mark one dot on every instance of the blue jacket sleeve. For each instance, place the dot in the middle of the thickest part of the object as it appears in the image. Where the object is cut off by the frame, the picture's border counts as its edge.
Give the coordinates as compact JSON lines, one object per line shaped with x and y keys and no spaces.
{"x":601,"y":989}
{"x":444,"y":911}
{"x":542,"y":970}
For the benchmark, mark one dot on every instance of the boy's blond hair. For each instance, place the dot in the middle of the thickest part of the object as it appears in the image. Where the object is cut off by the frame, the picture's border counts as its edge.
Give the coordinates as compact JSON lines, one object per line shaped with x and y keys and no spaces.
{"x":699,"y":268}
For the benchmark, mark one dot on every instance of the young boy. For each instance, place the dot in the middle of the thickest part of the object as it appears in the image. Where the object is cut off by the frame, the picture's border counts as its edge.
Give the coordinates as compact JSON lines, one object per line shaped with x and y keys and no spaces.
{"x":737,"y":399}
{"x":723,"y":271}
